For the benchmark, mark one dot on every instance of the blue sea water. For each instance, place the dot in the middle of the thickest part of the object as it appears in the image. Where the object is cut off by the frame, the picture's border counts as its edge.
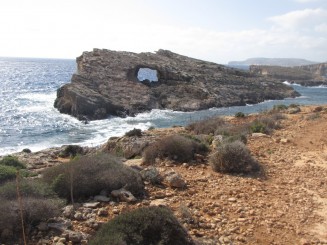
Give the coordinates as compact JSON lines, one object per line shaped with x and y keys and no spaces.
{"x":29,"y":120}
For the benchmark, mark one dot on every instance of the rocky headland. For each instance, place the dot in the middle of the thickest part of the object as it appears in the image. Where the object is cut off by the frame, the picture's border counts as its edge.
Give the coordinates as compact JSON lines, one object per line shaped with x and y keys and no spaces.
{"x":309,"y":75}
{"x":107,"y":83}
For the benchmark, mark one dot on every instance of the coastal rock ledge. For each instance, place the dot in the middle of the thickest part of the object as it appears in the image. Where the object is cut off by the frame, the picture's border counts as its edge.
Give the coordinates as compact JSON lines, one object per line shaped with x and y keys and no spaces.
{"x":124,"y":84}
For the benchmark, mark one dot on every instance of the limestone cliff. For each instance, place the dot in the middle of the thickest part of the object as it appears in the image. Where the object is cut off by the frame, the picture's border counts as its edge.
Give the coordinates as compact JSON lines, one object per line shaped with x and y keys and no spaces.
{"x":107,"y":83}
{"x":309,"y":75}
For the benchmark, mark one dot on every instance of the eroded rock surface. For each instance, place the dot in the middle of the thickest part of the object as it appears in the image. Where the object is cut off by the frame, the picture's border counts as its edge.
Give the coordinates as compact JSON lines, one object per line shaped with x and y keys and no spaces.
{"x":107,"y":83}
{"x":309,"y":75}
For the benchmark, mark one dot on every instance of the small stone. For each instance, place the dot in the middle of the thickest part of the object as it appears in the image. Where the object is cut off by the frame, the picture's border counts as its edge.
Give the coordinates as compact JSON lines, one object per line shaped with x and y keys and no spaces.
{"x":100,"y":198}
{"x":175,"y":180}
{"x":284,"y":141}
{"x":123,"y":195}
{"x":75,"y":237}
{"x":68,"y":211}
{"x":78,"y":216}
{"x":232,"y":199}
{"x":103,"y":212}
{"x":91,"y":204}
{"x":259,"y":135}
{"x":115,"y":210}
{"x":159,"y":203}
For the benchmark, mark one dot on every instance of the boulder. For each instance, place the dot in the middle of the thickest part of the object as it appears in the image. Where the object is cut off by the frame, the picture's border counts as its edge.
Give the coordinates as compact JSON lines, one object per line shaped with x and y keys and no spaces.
{"x":123,"y":195}
{"x":108,"y":83}
{"x":175,"y":180}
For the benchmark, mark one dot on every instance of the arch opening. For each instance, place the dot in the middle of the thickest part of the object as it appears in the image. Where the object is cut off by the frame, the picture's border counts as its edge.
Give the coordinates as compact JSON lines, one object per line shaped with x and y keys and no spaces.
{"x":147,"y":74}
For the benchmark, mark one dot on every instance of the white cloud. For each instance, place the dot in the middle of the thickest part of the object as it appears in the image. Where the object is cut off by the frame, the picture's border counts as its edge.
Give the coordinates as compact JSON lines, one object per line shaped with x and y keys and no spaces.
{"x":306,"y":1}
{"x":301,"y":19}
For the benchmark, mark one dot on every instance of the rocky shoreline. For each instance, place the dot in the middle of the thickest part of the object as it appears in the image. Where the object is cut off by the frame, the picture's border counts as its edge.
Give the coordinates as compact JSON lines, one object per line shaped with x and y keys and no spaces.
{"x":108,"y":83}
{"x":286,"y":206}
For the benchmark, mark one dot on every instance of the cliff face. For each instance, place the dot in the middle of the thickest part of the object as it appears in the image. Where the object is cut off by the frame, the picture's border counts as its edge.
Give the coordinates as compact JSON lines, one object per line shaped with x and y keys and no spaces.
{"x":107,"y":83}
{"x":310,"y":75}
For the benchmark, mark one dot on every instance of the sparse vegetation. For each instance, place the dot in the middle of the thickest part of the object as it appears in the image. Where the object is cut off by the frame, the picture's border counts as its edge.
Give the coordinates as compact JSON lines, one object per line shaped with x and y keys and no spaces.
{"x":7,"y":173}
{"x":134,"y":132}
{"x":143,"y":226}
{"x":72,"y":151}
{"x":39,"y":204}
{"x":174,"y":147}
{"x":233,"y":158}
{"x":239,"y":114}
{"x":207,"y":126}
{"x":86,"y":176}
{"x":13,"y":162}
{"x":264,"y":125}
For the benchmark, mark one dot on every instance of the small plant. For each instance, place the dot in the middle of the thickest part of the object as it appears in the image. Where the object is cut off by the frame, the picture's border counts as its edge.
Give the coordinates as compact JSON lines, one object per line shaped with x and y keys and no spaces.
{"x":72,"y":151}
{"x":151,"y":128}
{"x":39,"y":203}
{"x":280,"y":107}
{"x":143,"y":226}
{"x":233,"y":158}
{"x":174,"y":147}
{"x":13,"y":162}
{"x":88,"y":175}
{"x":239,"y":114}
{"x":7,"y":173}
{"x":26,"y":150}
{"x":207,"y":126}
{"x":264,"y":125}
{"x":313,"y":116}
{"x":134,"y":132}
{"x":257,"y":127}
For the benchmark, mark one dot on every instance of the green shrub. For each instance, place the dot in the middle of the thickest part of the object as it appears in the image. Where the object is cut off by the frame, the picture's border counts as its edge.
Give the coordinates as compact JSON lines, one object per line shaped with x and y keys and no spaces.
{"x":233,"y":158}
{"x":13,"y":162}
{"x":134,"y":132}
{"x":143,"y":226}
{"x":88,"y":175}
{"x":26,"y":150}
{"x":207,"y":126}
{"x":280,"y":107}
{"x":38,"y":201}
{"x":7,"y":173}
{"x":239,"y":114}
{"x":174,"y":147}
{"x":264,"y":125}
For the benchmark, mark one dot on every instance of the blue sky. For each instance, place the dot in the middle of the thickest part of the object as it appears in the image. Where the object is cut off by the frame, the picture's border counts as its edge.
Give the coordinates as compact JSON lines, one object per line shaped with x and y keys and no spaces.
{"x":215,"y":30}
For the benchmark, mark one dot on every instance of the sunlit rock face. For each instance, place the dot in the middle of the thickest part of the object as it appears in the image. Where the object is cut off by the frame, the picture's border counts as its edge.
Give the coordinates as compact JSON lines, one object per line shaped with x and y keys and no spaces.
{"x":124,"y":84}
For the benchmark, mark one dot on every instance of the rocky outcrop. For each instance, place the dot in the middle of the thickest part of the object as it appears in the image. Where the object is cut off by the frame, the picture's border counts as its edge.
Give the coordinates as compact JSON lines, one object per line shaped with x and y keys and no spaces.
{"x":107,"y":83}
{"x":310,"y":75}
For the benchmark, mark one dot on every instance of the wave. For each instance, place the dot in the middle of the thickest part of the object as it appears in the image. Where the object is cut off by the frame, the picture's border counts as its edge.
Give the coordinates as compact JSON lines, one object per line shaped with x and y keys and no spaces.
{"x":292,"y":84}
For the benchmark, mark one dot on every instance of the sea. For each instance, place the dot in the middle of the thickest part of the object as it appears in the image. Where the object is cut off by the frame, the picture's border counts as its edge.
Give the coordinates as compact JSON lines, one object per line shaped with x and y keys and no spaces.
{"x":28,"y":118}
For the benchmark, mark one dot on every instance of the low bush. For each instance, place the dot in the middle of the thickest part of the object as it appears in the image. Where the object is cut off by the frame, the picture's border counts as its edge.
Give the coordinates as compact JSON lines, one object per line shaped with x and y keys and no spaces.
{"x":26,"y":150}
{"x":265,"y":125}
{"x":239,"y":114}
{"x":13,"y":162}
{"x":39,"y":203}
{"x":174,"y":147}
{"x":143,"y":226}
{"x":207,"y":126}
{"x":7,"y":173}
{"x":71,"y":151}
{"x":86,"y":176}
{"x":233,"y":158}
{"x":134,"y":132}
{"x":280,"y":107}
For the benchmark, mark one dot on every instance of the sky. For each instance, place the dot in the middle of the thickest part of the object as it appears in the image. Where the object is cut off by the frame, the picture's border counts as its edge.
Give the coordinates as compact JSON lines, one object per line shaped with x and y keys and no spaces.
{"x":213,"y":30}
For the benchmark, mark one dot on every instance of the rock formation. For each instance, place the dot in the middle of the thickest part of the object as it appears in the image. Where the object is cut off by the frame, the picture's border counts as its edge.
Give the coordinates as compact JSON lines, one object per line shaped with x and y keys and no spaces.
{"x":107,"y":83}
{"x":309,"y":75}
